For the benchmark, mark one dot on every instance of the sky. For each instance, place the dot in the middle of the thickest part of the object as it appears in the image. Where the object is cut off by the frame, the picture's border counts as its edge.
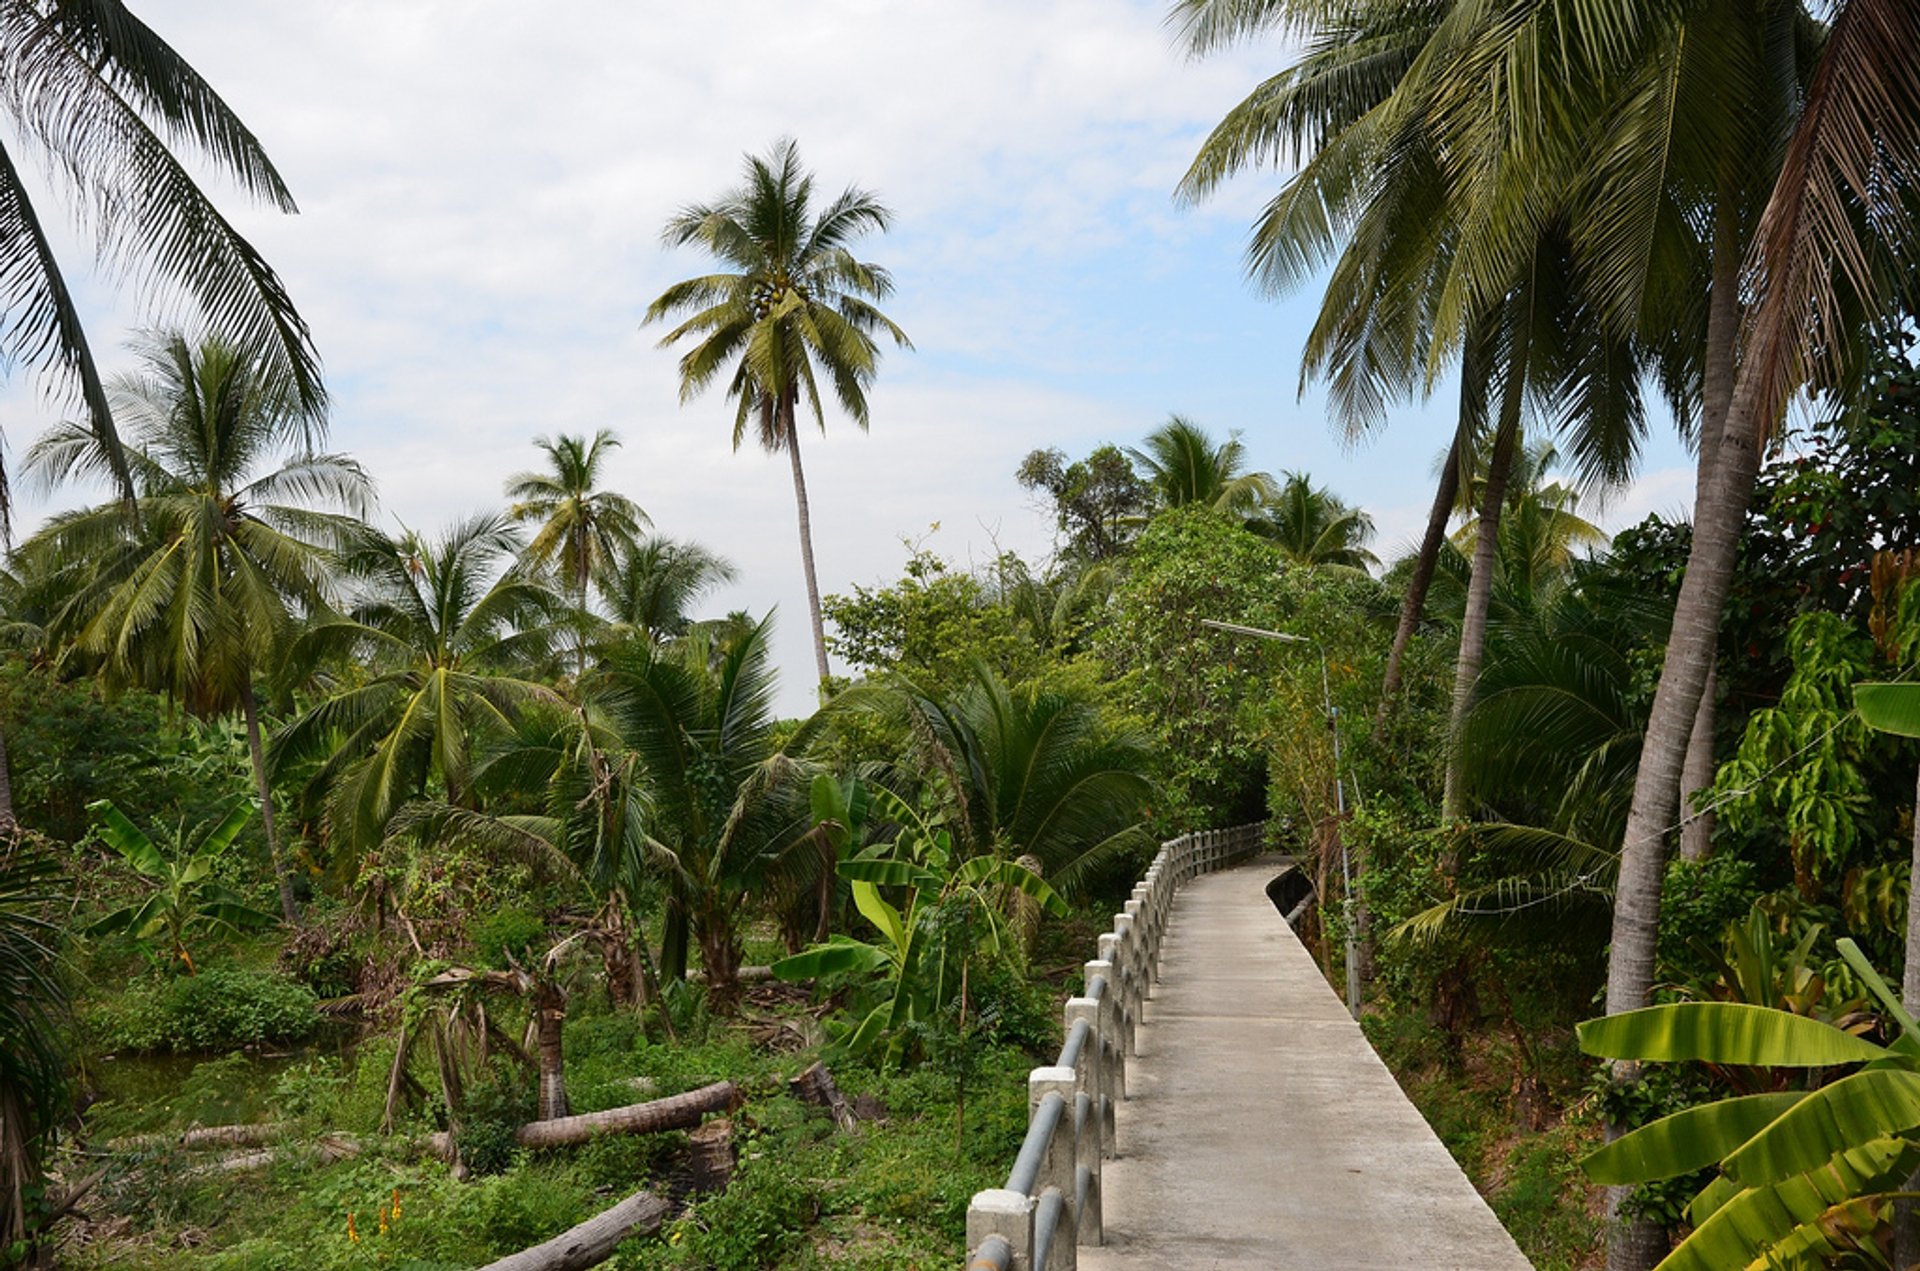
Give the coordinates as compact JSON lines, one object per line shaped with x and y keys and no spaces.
{"x":482,"y":187}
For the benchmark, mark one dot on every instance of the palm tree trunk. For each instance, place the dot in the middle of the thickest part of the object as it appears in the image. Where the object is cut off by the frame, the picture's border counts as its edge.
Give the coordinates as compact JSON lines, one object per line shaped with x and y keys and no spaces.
{"x":1718,"y":517}
{"x":549,"y":1014}
{"x":1422,"y":577}
{"x":1696,"y":775}
{"x":251,"y":709}
{"x":1486,"y":547}
{"x":790,"y":433}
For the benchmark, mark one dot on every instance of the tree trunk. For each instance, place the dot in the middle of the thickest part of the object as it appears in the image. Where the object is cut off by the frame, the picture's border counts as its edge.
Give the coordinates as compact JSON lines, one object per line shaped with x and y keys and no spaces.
{"x":720,"y":955}
{"x":1421,"y":579}
{"x":673,"y":942}
{"x":549,"y":1014}
{"x":791,"y":435}
{"x":288,"y":909}
{"x":1486,"y":553}
{"x":712,"y":1156}
{"x":1696,"y":775}
{"x":594,"y":1240}
{"x":680,"y":1112}
{"x":1718,"y":517}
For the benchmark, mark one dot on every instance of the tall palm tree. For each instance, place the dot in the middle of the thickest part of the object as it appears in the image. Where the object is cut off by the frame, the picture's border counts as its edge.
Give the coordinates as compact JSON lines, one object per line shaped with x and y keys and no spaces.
{"x":97,"y":96}
{"x":792,"y":303}
{"x":1184,"y":467}
{"x":436,"y":651}
{"x":1313,"y":527}
{"x":583,"y":529}
{"x":195,"y":596}
{"x":651,"y":585}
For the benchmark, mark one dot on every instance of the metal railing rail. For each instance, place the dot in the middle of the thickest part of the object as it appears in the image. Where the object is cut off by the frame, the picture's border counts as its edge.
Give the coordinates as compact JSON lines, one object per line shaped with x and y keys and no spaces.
{"x":1051,"y":1202}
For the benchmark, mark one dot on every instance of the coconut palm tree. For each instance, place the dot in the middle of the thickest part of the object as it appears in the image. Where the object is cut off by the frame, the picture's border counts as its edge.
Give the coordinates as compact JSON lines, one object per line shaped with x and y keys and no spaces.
{"x":792,"y":304}
{"x":583,"y":529}
{"x":1313,"y":527}
{"x":651,"y":585}
{"x":196,"y":596}
{"x":436,"y":649}
{"x":731,"y":821}
{"x":1183,"y":466}
{"x":99,"y":97}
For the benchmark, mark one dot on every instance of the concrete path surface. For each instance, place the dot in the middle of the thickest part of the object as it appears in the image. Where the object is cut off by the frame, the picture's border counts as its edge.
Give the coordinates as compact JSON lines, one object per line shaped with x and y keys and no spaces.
{"x":1261,"y":1130}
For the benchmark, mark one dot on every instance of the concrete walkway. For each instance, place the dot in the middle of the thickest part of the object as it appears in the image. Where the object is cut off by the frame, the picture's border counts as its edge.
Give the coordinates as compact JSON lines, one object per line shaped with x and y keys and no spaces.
{"x":1262,"y":1132}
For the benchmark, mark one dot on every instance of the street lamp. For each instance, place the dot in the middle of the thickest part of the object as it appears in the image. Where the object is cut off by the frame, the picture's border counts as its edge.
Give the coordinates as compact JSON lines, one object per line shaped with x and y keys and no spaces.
{"x":1339,"y":791}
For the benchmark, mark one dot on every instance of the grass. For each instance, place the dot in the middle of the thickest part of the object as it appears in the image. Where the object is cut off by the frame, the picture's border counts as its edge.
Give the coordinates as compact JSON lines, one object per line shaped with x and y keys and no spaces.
{"x":893,"y":1195}
{"x":1530,"y":1176}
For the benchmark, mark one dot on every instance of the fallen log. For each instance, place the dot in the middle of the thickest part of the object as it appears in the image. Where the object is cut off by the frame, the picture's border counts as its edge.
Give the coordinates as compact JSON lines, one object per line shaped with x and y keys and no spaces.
{"x":203,"y":1137}
{"x":325,"y":1150}
{"x":816,"y":1086}
{"x":677,"y":1112}
{"x":593,"y":1241}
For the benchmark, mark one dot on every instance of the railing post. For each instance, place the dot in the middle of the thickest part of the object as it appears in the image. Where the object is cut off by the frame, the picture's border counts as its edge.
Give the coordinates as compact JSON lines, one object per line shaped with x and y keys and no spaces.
{"x":1003,"y":1213}
{"x":1090,"y":1115}
{"x":1113,"y":1033}
{"x":1059,"y":1168}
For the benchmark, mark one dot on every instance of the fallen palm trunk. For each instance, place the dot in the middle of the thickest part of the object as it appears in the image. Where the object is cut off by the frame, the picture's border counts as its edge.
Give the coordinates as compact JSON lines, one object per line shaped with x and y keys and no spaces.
{"x":712,"y":1156}
{"x":325,"y":1150}
{"x":677,"y":1112}
{"x":204,"y":1137}
{"x":594,"y":1240}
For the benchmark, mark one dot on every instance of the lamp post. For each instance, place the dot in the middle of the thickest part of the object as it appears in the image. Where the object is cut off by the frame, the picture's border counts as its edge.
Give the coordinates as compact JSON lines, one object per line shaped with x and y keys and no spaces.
{"x":1339,"y":792}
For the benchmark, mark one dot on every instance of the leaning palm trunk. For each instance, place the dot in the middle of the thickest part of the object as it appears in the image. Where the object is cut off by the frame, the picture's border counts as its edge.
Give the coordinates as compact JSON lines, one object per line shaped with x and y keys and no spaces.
{"x":1422,"y":577}
{"x":1718,"y":518}
{"x":1486,"y":547}
{"x":791,"y":435}
{"x":288,"y":908}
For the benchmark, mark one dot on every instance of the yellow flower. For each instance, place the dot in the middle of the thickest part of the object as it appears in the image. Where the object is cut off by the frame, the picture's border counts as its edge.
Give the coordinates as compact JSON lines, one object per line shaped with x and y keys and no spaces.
{"x":352,"y":1233}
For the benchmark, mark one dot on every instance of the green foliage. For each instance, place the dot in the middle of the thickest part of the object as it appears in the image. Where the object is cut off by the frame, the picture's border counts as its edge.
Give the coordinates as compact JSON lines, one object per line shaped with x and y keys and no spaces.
{"x":1797,"y":773}
{"x":219,"y":1008}
{"x":931,"y":626}
{"x":492,"y":1110}
{"x":185,"y":900}
{"x":1099,"y":502}
{"x":508,"y":931}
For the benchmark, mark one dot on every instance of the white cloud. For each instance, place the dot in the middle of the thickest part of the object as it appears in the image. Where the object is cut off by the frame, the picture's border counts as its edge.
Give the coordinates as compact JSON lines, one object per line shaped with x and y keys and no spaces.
{"x":483,"y":183}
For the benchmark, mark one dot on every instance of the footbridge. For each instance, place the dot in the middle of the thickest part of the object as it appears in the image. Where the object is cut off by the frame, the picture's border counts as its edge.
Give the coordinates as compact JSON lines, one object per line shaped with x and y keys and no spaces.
{"x":1214,"y":1106}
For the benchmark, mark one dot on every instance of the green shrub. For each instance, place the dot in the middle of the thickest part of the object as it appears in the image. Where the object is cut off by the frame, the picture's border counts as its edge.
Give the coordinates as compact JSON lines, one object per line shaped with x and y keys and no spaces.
{"x":509,"y":931}
{"x":215,"y":1010}
{"x":492,"y":1111}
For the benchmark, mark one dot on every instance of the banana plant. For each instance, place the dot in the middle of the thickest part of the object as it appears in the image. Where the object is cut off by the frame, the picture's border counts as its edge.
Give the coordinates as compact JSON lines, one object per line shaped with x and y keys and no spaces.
{"x":951,"y":912}
{"x":1804,"y":1176}
{"x":186,"y":900}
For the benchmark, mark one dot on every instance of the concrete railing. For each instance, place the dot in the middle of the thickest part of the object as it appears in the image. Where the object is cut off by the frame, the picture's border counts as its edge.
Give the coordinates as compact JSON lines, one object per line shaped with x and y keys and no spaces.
{"x":1051,"y":1202}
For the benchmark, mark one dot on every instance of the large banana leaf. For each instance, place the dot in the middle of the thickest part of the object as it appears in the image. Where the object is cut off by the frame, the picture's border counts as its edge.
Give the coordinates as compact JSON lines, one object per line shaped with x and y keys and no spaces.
{"x":1890,"y":708}
{"x":840,"y":954}
{"x":889,"y":873}
{"x":1686,"y":1141}
{"x":1724,"y":1033}
{"x":1715,"y":1194}
{"x":867,"y":899}
{"x":1854,"y":1110}
{"x":1812,"y":1245}
{"x":126,"y":838}
{"x":1747,"y":1226}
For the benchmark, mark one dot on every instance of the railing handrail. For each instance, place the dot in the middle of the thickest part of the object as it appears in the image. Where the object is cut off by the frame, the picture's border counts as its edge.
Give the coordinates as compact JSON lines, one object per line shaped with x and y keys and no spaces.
{"x":1051,"y":1203}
